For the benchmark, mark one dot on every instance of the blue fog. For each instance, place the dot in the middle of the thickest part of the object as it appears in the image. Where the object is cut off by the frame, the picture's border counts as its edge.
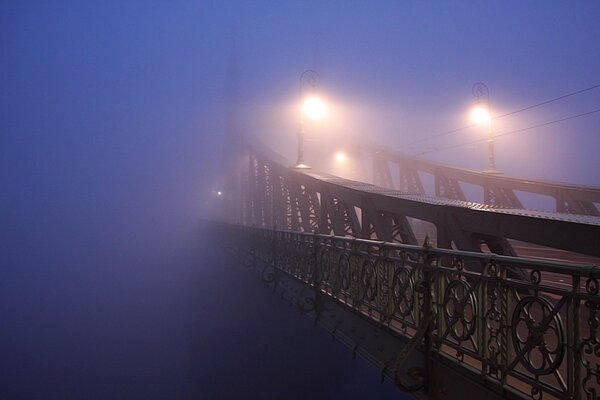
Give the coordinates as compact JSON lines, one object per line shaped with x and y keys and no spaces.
{"x":113,"y":118}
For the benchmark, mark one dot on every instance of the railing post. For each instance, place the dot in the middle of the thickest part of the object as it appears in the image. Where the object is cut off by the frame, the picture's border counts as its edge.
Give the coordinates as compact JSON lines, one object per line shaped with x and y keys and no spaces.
{"x":573,"y":340}
{"x":428,"y":314}
{"x":505,"y":307}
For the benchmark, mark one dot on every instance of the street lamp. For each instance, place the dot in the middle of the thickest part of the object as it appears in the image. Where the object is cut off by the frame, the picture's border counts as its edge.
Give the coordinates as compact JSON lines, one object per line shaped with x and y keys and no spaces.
{"x":481,"y":115}
{"x":313,"y":108}
{"x":340,"y":157}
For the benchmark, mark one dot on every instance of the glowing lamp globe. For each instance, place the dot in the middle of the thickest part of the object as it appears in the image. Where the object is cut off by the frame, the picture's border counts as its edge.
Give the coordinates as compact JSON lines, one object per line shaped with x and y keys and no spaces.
{"x":314,"y":108}
{"x":480,"y":115}
{"x":340,"y":157}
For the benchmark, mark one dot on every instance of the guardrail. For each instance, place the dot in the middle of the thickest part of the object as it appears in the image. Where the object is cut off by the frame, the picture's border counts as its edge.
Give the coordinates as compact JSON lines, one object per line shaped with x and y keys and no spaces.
{"x":522,"y":338}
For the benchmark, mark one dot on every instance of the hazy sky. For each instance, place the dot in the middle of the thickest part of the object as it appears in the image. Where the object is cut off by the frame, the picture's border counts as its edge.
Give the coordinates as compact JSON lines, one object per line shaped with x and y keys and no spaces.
{"x":113,"y":116}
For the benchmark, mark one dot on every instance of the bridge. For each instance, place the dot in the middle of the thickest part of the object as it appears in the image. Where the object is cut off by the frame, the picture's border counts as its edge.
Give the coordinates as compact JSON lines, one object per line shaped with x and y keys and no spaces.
{"x":437,"y":290}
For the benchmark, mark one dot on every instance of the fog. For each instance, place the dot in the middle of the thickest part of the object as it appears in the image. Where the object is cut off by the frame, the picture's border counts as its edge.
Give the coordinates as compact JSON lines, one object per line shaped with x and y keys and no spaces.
{"x":113,"y":125}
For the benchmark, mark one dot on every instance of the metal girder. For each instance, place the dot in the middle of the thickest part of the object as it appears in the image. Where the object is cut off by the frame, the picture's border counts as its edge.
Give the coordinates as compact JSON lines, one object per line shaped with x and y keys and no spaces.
{"x":449,"y":230}
{"x":281,"y":201}
{"x":332,"y":220}
{"x":328,"y":199}
{"x":402,"y":232}
{"x":352,"y":224}
{"x":375,"y":222}
{"x":566,"y":203}
{"x":299,"y":194}
{"x":447,"y":187}
{"x":308,"y":209}
{"x":498,"y":196}
{"x":498,"y":189}
{"x":381,"y":172}
{"x":410,"y":181}
{"x":498,"y":245}
{"x":314,"y":208}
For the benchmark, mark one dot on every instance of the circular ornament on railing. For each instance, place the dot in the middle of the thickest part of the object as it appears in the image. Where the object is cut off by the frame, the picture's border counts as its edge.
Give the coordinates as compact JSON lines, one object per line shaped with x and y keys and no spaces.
{"x":536,"y":393}
{"x":589,"y":348}
{"x":336,"y":274}
{"x":591,"y":286}
{"x":344,"y":272}
{"x":537,"y":335}
{"x":306,"y":303}
{"x":535,"y":277}
{"x":298,"y":258}
{"x":493,"y":270}
{"x":493,"y":320}
{"x":268,"y":274}
{"x":403,"y":291}
{"x":324,"y":265}
{"x":458,"y":264}
{"x":307,"y":272}
{"x":460,"y":310}
{"x":285,"y":259}
{"x":460,"y":356}
{"x":249,"y":259}
{"x":369,"y":280}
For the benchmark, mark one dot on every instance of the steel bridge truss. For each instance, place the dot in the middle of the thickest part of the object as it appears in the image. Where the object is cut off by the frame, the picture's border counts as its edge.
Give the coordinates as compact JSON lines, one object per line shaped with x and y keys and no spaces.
{"x":498,"y":189}
{"x":434,"y":325}
{"x":270,"y":194}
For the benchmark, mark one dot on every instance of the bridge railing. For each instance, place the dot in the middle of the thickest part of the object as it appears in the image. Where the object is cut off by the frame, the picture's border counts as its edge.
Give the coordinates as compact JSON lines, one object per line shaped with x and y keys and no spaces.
{"x":524,"y":338}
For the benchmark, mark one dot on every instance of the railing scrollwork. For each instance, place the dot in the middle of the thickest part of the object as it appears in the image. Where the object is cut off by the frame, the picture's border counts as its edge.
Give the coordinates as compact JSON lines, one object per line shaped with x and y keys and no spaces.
{"x":535,"y":335}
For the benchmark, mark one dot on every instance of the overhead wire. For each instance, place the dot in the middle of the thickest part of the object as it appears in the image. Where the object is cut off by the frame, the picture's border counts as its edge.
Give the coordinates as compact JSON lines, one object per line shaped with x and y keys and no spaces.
{"x":509,"y":132}
{"x":504,"y":115}
{"x":548,"y":101}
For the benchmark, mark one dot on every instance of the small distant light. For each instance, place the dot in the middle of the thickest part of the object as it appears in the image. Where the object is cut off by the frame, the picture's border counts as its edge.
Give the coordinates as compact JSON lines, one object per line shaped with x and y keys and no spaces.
{"x":340,"y":157}
{"x":219,"y":193}
{"x":480,"y":115}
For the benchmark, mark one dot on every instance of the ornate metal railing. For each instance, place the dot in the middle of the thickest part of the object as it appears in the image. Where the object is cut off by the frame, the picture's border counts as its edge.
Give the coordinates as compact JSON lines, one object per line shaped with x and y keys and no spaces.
{"x":523,"y":338}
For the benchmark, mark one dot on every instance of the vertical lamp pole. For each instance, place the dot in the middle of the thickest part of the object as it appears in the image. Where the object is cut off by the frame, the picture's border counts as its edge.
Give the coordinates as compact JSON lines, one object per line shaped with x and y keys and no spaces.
{"x":482,"y":93}
{"x":310,"y":78}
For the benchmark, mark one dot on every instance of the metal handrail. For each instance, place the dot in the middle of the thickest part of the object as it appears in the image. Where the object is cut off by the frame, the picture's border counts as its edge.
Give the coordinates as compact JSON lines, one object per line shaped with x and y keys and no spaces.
{"x":532,"y":336}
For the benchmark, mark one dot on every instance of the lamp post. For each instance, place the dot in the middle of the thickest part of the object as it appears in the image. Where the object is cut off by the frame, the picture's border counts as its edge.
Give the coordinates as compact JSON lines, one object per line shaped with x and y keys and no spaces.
{"x":312,"y":108}
{"x":481,"y":115}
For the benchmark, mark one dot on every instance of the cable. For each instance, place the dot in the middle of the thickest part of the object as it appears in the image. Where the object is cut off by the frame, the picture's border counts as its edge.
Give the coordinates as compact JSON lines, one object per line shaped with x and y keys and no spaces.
{"x":509,"y":132}
{"x":440,"y":134}
{"x":547,"y":102}
{"x":504,"y":115}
